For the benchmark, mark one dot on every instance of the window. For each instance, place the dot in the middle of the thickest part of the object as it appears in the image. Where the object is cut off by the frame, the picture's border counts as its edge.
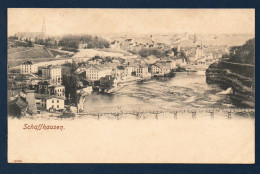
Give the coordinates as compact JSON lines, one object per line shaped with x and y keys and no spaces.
{"x":57,"y":106}
{"x":52,"y":101}
{"x":53,"y":106}
{"x":57,"y":101}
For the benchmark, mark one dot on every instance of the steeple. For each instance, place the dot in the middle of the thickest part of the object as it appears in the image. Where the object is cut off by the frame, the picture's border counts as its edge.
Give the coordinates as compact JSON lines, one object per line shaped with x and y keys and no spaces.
{"x":43,"y":26}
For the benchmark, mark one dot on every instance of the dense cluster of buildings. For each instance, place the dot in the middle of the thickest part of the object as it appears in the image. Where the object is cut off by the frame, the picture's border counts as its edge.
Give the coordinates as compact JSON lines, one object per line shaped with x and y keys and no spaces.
{"x":128,"y":43}
{"x":34,"y":93}
{"x":41,"y":83}
{"x":143,"y":68}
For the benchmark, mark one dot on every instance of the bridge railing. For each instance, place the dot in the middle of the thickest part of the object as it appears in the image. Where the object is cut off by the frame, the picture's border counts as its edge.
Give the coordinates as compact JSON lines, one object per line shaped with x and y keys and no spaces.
{"x":212,"y":112}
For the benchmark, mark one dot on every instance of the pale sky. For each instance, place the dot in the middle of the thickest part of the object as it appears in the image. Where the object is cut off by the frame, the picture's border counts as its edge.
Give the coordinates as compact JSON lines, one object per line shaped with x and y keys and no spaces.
{"x":139,"y":21}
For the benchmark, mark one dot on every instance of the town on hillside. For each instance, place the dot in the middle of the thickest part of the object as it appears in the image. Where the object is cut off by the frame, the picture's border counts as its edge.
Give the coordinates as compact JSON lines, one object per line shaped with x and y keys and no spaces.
{"x":53,"y":75}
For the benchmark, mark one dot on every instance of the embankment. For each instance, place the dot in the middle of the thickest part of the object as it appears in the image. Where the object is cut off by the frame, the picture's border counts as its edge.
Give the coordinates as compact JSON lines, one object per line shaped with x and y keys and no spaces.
{"x":241,"y":77}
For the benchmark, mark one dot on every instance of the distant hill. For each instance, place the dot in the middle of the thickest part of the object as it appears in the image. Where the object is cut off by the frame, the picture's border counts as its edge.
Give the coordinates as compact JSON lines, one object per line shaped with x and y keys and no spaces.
{"x":188,"y":40}
{"x":225,"y":39}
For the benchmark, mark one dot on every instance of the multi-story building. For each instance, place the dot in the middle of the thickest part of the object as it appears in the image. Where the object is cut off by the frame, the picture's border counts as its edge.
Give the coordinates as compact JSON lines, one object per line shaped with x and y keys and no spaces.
{"x":28,"y":67}
{"x":83,"y":45}
{"x":94,"y":73}
{"x":48,"y":89}
{"x":142,"y":71}
{"x":155,"y":69}
{"x":52,"y":74}
{"x":160,"y":69}
{"x":171,"y":64}
{"x":42,"y":87}
{"x":57,"y":90}
{"x":54,"y":102}
{"x":131,"y":70}
{"x":49,"y":102}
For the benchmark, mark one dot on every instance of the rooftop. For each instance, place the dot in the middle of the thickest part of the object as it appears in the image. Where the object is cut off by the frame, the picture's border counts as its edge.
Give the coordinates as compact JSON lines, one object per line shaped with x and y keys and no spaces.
{"x":20,"y":102}
{"x":52,"y":67}
{"x":29,"y":62}
{"x":53,"y":86}
{"x":44,"y":83}
{"x":45,"y":96}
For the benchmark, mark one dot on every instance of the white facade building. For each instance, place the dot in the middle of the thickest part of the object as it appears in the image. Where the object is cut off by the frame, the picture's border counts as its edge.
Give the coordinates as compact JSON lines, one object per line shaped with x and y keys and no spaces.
{"x":48,"y":102}
{"x":138,"y":71}
{"x":52,"y":73}
{"x":160,"y":69}
{"x":142,"y":72}
{"x":57,"y":90}
{"x":56,"y":103}
{"x":28,"y":68}
{"x":94,"y":73}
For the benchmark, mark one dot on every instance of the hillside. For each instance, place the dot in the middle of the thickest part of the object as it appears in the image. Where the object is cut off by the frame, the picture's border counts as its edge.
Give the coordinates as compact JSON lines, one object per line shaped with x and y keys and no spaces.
{"x":238,"y":72}
{"x":20,"y":54}
{"x":28,"y":52}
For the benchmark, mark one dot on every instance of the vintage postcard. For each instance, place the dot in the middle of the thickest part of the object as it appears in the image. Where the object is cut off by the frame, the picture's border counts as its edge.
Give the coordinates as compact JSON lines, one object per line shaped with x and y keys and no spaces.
{"x":131,"y":85}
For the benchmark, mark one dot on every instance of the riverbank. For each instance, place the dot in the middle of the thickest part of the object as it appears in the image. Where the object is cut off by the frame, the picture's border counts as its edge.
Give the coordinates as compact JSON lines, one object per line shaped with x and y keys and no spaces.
{"x":239,"y":77}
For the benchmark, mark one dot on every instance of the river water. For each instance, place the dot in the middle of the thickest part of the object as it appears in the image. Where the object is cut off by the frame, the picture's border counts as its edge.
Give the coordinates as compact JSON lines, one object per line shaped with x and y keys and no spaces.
{"x":184,"y":90}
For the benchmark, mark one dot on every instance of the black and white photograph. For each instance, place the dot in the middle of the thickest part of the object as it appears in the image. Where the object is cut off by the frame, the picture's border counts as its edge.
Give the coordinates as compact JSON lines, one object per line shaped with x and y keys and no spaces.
{"x":131,"y":85}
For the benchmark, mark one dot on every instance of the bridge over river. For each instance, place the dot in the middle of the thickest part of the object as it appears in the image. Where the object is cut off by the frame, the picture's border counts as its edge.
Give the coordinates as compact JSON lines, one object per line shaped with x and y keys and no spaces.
{"x":192,"y":113}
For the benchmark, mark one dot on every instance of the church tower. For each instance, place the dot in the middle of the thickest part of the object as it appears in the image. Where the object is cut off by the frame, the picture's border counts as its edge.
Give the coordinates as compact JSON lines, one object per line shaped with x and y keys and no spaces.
{"x":43,"y":26}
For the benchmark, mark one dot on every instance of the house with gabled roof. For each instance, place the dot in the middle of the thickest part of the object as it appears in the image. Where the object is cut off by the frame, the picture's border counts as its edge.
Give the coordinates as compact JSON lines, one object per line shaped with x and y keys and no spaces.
{"x":17,"y":107}
{"x":50,"y":102}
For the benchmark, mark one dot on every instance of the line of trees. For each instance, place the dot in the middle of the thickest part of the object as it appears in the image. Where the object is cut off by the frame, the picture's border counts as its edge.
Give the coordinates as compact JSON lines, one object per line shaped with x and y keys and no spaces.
{"x":72,"y":41}
{"x":48,"y":42}
{"x":243,"y":54}
{"x":151,"y":51}
{"x":70,"y":80}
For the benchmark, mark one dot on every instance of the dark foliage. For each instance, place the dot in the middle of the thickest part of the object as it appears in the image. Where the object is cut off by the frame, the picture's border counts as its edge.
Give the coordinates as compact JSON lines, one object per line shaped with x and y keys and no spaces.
{"x":243,"y":54}
{"x":152,"y":51}
{"x":73,"y":41}
{"x":48,"y":42}
{"x":70,"y":80}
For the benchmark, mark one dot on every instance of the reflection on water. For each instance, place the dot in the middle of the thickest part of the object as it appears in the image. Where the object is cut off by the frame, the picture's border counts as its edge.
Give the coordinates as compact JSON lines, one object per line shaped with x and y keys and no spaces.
{"x":184,"y":90}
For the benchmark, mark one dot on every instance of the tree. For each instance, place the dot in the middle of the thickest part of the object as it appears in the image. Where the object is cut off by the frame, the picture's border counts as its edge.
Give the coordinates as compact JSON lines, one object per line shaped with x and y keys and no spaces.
{"x":175,"y":50}
{"x":30,"y":44}
{"x":243,"y":54}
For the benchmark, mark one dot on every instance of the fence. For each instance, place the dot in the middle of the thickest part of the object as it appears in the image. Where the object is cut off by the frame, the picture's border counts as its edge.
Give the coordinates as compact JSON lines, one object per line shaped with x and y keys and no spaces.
{"x":174,"y":113}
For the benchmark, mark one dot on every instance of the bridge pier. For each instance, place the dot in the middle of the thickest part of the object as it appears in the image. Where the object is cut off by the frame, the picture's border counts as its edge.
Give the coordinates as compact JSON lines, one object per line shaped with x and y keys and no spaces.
{"x":211,"y":114}
{"x":229,"y":114}
{"x":175,"y":114}
{"x":138,"y":116}
{"x":156,"y":116}
{"x":193,"y":114}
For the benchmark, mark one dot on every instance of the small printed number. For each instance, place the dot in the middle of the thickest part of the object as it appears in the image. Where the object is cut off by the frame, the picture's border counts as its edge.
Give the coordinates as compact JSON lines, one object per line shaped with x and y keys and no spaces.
{"x":17,"y":161}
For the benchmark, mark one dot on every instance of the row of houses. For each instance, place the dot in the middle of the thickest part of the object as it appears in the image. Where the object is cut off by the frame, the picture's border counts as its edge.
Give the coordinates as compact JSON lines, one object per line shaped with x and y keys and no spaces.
{"x":41,"y":93}
{"x":141,"y":43}
{"x":140,"y":67}
{"x":201,"y":54}
{"x":50,"y":72}
{"x":33,"y":103}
